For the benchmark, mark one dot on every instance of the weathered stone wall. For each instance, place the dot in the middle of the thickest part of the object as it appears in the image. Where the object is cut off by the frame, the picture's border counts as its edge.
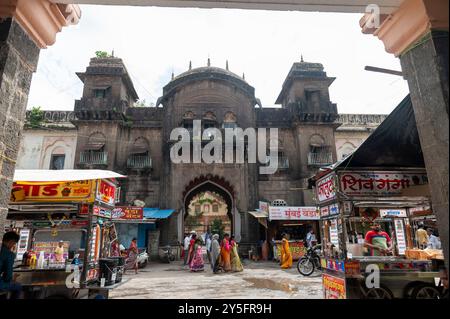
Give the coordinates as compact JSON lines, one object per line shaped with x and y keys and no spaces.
{"x":18,"y":60}
{"x":426,"y":68}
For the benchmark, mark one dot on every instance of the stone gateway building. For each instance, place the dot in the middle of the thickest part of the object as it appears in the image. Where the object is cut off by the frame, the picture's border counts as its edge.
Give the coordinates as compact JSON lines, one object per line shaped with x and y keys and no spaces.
{"x":135,"y":141}
{"x":107,"y":130}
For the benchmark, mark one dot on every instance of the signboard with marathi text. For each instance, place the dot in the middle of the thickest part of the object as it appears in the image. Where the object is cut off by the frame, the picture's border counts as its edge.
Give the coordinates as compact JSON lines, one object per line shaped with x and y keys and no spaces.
{"x":393,"y":212}
{"x":379,"y":183}
{"x":73,"y":191}
{"x":293,"y":213}
{"x":333,"y":287}
{"x":128,"y":213}
{"x":325,"y":188}
{"x":106,"y":192}
{"x":400,"y":235}
{"x":297,"y":249}
{"x":101,"y":212}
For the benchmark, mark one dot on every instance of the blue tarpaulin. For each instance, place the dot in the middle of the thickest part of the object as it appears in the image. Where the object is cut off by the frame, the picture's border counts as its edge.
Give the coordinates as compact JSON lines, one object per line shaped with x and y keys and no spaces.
{"x":157,"y":213}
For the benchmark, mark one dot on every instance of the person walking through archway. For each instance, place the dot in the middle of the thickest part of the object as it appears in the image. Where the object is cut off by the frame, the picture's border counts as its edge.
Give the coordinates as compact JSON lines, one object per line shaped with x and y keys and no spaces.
{"x":286,"y":255}
{"x":225,"y":249}
{"x":236,"y":265}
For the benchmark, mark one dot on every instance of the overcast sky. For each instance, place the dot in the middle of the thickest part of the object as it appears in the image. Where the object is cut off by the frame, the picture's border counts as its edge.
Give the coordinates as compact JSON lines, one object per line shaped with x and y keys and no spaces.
{"x":153,"y":42}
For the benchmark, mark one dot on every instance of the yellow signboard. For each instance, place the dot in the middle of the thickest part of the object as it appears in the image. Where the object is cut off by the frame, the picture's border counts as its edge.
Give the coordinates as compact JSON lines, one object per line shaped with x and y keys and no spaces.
{"x":73,"y":191}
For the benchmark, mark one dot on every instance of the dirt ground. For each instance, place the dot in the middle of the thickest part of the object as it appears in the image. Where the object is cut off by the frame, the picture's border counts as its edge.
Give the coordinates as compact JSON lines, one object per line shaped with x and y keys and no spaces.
{"x":263,"y":280}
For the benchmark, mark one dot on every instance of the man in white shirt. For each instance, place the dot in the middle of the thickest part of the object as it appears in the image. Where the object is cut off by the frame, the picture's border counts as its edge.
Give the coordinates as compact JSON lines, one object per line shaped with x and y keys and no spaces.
{"x":187,"y":240}
{"x":311,"y":238}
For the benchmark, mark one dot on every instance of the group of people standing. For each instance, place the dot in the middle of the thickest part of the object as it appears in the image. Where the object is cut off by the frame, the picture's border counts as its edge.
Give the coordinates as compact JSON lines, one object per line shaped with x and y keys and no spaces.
{"x":222,"y":255}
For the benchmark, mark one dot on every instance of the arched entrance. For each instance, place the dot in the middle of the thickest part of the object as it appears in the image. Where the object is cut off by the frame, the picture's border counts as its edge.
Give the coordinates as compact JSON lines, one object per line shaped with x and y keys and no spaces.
{"x":208,"y":205}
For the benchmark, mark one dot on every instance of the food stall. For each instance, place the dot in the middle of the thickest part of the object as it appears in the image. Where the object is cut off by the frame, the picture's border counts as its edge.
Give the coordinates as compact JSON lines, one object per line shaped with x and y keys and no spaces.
{"x":66,"y":232}
{"x":295,"y":222}
{"x":383,"y":182}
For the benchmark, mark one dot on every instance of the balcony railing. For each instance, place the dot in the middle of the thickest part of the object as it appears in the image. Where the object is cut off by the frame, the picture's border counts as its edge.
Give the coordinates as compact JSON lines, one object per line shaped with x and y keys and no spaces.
{"x":283,"y":163}
{"x":139,"y":161}
{"x":320,"y":159}
{"x":94,"y":157}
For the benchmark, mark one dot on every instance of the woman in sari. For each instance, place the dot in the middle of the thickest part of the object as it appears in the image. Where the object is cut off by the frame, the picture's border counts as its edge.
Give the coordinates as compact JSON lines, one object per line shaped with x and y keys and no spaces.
{"x":197,"y":263}
{"x":236,"y":265}
{"x":225,"y":249}
{"x":191,"y":250}
{"x":215,"y":253}
{"x":131,"y":261}
{"x":286,"y":256}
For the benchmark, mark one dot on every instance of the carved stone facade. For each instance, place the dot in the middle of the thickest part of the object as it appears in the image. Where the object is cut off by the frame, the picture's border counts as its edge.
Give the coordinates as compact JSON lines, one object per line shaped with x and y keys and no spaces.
{"x":354,"y":130}
{"x":108,"y":132}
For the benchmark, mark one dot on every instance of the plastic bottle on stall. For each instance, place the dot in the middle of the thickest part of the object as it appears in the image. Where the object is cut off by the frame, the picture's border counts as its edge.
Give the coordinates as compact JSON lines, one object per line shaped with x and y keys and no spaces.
{"x":41,"y":260}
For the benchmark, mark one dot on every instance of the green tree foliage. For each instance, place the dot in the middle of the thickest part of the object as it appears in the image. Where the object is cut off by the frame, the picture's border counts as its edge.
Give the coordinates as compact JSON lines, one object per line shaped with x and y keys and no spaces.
{"x":102,"y":54}
{"x":36,"y":117}
{"x":217,"y":227}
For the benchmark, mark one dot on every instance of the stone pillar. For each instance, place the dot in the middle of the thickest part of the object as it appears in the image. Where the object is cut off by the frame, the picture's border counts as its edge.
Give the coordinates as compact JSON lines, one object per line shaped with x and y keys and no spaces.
{"x":425,"y":67}
{"x":18,"y":60}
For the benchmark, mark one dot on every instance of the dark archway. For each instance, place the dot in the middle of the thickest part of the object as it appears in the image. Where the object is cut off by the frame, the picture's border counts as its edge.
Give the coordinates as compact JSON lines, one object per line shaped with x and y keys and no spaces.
{"x":205,"y":185}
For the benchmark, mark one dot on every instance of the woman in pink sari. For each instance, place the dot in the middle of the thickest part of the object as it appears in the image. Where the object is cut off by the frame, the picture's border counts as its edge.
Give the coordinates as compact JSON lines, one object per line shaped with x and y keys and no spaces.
{"x":197,"y":263}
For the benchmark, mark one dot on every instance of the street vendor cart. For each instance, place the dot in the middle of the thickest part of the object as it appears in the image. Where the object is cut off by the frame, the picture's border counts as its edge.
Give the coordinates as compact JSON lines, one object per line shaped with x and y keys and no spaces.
{"x":68,"y":245}
{"x":382,"y":184}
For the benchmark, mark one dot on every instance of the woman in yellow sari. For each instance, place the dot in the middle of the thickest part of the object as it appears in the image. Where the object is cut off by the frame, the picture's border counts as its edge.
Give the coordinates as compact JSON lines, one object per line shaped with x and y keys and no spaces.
{"x":236,"y":265}
{"x":286,"y":256}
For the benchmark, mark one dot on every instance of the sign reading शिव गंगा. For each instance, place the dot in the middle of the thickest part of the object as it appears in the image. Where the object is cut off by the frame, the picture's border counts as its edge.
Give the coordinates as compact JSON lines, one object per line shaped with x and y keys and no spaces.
{"x":379,"y":183}
{"x":293,"y":213}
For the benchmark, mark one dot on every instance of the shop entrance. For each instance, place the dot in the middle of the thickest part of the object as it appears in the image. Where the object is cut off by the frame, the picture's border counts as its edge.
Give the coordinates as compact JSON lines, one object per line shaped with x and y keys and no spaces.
{"x":208,"y":207}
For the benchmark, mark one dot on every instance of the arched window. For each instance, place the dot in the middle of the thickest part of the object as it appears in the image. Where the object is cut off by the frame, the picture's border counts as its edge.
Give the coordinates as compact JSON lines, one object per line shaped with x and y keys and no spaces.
{"x":58,"y":158}
{"x":320,"y":154}
{"x":209,"y":120}
{"x":94,"y":153}
{"x":346,"y":150}
{"x":96,"y":142}
{"x":229,"y":120}
{"x":139,"y":157}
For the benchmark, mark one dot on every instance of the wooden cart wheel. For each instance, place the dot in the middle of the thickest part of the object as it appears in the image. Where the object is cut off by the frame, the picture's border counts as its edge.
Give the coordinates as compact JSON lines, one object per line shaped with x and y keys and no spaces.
{"x":426,"y":291}
{"x":379,"y":293}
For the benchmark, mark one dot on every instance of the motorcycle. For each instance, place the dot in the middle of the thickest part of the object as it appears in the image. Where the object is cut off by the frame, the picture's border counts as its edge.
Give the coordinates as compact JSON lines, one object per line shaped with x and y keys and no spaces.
{"x":310,"y":261}
{"x":167,"y":256}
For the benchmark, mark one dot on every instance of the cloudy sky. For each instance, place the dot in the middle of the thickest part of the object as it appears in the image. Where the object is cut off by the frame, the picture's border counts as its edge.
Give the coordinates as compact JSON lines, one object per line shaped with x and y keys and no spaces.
{"x":153,"y":42}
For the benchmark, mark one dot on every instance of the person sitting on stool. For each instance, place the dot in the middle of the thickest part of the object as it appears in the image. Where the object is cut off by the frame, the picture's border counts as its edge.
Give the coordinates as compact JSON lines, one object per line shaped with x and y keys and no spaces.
{"x":7,"y":257}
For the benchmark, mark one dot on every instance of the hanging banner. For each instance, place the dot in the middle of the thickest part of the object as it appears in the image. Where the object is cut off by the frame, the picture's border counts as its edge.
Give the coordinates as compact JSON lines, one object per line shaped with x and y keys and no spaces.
{"x":334,"y":238}
{"x":128,"y":213}
{"x":379,"y":183}
{"x":293,"y":213}
{"x":263,"y":206}
{"x":73,"y":191}
{"x":333,"y":287}
{"x":106,"y":192}
{"x":325,"y":188}
{"x":400,"y":235}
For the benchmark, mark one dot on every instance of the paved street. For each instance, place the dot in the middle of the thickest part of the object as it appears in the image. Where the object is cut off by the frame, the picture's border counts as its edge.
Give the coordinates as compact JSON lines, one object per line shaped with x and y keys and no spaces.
{"x":259,"y":280}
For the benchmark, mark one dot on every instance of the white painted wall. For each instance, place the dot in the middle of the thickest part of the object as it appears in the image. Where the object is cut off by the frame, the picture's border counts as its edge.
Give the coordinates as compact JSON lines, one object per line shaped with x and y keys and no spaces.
{"x":37,"y":147}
